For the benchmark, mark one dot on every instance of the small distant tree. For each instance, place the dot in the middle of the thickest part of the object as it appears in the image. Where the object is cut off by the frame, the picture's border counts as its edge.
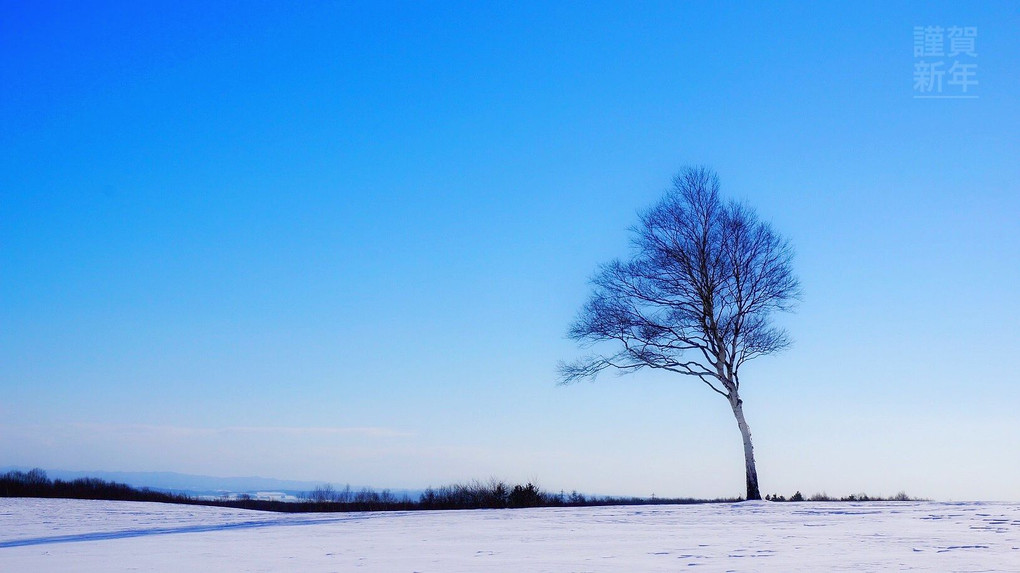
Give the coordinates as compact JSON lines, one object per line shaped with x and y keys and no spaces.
{"x":695,"y":298}
{"x":324,"y":493}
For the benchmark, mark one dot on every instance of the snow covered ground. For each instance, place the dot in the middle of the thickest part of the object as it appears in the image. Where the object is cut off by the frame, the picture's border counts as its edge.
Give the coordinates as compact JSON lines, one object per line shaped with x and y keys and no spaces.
{"x":72,"y":535}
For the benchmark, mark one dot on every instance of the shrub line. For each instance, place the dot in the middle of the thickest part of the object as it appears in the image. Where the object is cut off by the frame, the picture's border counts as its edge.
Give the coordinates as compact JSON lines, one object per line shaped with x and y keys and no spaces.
{"x":493,"y":494}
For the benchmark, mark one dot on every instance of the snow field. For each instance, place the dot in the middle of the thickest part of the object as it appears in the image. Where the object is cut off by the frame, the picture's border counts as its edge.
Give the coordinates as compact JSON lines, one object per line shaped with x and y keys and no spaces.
{"x":94,"y":536}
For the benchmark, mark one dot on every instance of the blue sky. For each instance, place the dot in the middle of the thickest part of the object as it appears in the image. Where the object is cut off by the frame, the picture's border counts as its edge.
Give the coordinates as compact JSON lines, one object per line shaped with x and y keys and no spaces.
{"x":343,"y":242}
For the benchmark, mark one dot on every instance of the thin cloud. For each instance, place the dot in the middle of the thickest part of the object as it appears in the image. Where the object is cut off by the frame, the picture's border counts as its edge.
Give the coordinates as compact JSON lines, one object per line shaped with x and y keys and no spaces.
{"x":200,"y":432}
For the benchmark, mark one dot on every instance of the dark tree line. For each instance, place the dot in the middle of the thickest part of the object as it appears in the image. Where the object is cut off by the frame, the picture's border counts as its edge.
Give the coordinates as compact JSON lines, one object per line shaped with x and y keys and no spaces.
{"x":475,"y":495}
{"x":35,"y":483}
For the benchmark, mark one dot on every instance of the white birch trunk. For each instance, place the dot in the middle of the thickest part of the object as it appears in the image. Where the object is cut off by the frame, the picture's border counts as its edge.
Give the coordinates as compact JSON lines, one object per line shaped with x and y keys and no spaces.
{"x":745,"y":432}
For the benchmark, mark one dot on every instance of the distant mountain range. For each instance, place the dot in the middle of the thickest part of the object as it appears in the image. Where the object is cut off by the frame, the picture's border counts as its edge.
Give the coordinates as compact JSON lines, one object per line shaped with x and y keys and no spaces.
{"x":198,"y":484}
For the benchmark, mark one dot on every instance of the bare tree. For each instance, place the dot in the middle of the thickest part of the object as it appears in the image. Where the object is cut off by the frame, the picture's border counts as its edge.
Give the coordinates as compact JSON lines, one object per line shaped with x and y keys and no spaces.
{"x":695,"y":298}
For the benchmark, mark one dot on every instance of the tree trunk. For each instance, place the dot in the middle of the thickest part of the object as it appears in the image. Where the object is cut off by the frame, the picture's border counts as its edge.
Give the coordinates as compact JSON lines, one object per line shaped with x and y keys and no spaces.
{"x":751,"y":473}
